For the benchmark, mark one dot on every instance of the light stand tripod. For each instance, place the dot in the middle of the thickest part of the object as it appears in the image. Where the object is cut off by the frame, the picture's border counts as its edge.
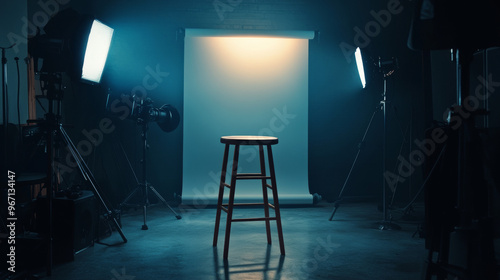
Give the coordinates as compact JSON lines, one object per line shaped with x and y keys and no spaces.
{"x":52,"y":127}
{"x":361,"y":145}
{"x":144,"y":186}
{"x":385,"y":224}
{"x":87,"y":174}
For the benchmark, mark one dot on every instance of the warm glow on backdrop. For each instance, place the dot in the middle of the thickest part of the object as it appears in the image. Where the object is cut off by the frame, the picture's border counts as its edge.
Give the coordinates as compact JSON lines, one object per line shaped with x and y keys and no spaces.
{"x":245,"y":85}
{"x":259,"y":58}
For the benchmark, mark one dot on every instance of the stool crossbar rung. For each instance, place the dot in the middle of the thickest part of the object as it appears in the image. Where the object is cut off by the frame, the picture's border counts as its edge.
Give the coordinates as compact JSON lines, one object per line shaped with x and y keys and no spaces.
{"x":245,"y":204}
{"x":253,"y":219}
{"x":237,"y":141}
{"x":251,"y":176}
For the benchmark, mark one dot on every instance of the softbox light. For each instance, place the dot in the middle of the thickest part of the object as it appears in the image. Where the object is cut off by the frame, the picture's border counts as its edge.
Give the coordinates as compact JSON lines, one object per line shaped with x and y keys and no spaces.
{"x":371,"y":69}
{"x":72,"y":43}
{"x":96,"y":52}
{"x":360,"y":65}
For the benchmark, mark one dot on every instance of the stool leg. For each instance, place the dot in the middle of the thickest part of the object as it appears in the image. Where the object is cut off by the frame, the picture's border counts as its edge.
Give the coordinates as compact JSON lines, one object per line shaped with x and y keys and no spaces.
{"x":221,"y":193}
{"x":275,"y":198}
{"x":264,"y":192}
{"x":231,"y":200}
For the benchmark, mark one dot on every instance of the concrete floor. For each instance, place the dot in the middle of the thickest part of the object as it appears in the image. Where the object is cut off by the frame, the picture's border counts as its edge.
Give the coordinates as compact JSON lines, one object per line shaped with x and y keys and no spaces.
{"x":349,"y":247}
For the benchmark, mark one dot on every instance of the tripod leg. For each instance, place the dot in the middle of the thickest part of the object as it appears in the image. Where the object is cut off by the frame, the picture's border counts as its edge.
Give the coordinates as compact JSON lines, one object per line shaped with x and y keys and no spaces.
{"x":335,"y":207}
{"x":129,"y":197}
{"x":87,"y":174}
{"x":336,"y":204}
{"x":145,"y":204}
{"x":144,"y":212}
{"x":119,"y":229}
{"x":361,"y":144}
{"x":164,"y":202}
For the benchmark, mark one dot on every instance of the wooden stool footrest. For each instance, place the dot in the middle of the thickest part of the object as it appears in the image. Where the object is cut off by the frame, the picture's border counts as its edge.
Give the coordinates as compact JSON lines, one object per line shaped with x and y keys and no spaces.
{"x":254,"y":219}
{"x":250,"y":176}
{"x":225,"y":206}
{"x":243,"y":204}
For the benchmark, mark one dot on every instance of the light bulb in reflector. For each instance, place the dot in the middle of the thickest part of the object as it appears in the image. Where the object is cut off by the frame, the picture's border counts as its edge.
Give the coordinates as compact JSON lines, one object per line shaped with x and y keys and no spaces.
{"x":96,"y":52}
{"x":361,"y":70}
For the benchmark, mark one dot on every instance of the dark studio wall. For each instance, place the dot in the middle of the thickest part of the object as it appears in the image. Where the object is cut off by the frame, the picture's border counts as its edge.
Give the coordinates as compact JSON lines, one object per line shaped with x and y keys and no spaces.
{"x":146,"y":58}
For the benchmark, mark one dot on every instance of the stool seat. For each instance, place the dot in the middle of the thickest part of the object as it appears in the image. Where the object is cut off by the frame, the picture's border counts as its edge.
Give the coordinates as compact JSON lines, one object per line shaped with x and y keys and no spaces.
{"x":249,"y":140}
{"x":261,"y":142}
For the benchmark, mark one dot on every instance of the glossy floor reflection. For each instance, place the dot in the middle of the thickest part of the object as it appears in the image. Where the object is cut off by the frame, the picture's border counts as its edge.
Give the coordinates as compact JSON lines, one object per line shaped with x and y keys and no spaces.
{"x":349,"y":247}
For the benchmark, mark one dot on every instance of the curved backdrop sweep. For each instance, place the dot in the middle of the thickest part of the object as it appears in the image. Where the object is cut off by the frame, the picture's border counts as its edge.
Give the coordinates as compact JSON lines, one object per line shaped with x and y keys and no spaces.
{"x":245,"y":83}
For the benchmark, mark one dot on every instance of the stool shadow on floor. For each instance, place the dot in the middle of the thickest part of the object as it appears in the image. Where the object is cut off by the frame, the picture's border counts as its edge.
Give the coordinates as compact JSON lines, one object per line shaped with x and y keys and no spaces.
{"x":265,"y":267}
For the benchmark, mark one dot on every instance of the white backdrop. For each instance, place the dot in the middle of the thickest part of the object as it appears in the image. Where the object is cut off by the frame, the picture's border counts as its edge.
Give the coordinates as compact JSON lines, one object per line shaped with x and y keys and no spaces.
{"x":245,"y":84}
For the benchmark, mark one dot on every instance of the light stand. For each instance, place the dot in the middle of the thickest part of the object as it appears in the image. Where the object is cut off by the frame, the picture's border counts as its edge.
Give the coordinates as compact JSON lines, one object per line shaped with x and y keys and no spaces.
{"x":52,"y":127}
{"x":336,"y":203}
{"x":87,"y":174}
{"x":385,"y":224}
{"x":66,"y":36}
{"x":51,"y":121}
{"x":5,"y":105}
{"x":144,"y":186}
{"x":387,"y":68}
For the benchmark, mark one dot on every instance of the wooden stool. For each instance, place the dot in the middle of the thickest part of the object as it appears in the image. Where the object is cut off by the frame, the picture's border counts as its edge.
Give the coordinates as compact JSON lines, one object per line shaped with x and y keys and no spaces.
{"x":261,"y":141}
